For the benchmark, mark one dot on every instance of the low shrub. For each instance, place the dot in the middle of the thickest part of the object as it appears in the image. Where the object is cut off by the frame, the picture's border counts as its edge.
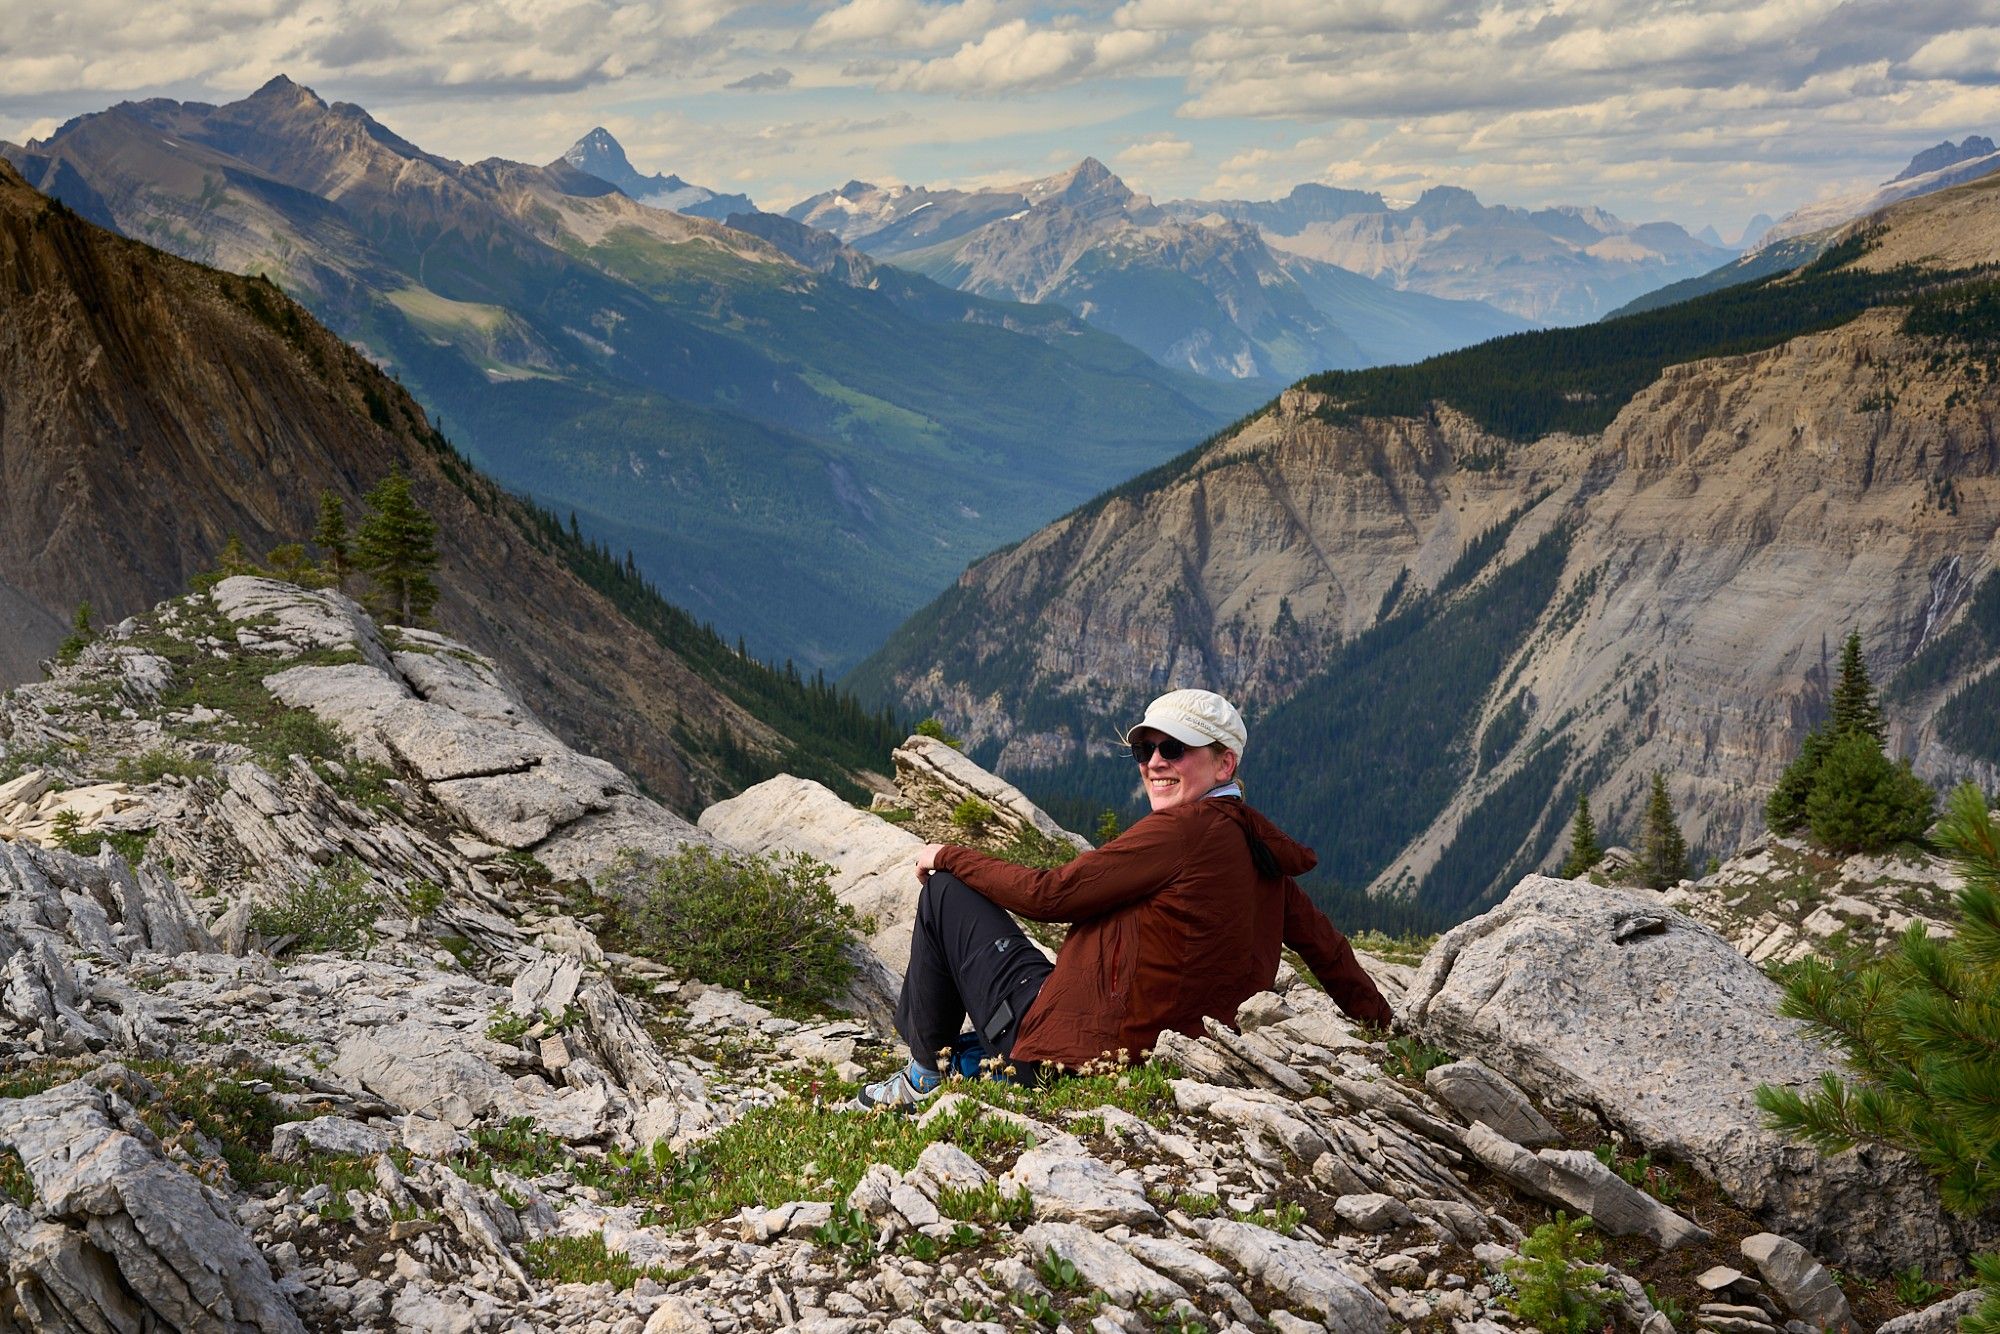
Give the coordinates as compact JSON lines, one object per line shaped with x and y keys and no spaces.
{"x":769,"y":925}
{"x":332,"y":913}
{"x":972,"y":815}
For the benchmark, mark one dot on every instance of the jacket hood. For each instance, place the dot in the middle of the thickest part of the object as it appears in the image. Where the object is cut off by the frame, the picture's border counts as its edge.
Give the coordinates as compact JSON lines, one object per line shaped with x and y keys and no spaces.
{"x":1294,"y":857}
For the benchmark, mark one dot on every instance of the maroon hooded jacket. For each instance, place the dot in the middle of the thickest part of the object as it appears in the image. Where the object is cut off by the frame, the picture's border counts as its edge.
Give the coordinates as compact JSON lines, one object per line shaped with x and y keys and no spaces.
{"x":1171,"y":922}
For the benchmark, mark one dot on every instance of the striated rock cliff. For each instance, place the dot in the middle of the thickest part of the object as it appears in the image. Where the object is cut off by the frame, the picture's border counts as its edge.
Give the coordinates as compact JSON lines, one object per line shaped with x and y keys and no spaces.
{"x":1705,"y":554}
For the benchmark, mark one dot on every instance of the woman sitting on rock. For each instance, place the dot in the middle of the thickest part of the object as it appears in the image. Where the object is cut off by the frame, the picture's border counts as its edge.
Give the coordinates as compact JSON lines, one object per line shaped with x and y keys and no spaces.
{"x":1182,"y":916}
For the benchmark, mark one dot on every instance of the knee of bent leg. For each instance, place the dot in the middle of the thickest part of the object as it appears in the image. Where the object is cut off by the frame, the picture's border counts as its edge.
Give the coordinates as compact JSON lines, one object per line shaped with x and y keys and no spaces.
{"x":941,"y":886}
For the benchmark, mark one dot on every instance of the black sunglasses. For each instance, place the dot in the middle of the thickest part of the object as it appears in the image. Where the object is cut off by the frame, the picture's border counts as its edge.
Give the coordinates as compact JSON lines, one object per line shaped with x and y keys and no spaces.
{"x":1169,"y":750}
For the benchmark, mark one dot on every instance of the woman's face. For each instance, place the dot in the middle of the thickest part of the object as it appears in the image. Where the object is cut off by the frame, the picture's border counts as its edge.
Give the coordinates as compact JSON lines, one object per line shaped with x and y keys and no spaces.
{"x":1172,"y":782}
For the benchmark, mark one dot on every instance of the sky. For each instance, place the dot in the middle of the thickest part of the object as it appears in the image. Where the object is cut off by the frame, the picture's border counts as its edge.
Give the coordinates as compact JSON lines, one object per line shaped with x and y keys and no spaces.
{"x":1697,"y":111}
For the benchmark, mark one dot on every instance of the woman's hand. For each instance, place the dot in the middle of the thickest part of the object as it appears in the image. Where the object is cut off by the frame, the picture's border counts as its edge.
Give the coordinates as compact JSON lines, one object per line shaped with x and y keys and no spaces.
{"x":927,"y":857}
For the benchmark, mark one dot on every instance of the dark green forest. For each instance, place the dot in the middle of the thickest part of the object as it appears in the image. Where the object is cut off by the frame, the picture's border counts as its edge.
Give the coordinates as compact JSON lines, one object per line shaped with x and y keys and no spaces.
{"x":1373,"y":748}
{"x":831,"y":734}
{"x":1528,"y":385}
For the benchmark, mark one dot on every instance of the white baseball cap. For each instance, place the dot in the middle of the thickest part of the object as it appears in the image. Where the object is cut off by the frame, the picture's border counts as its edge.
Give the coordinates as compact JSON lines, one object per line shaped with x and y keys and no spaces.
{"x":1195,"y":718}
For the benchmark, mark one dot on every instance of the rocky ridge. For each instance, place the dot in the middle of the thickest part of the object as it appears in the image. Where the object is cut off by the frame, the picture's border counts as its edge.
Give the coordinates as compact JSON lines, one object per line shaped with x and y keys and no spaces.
{"x":487,"y":1119}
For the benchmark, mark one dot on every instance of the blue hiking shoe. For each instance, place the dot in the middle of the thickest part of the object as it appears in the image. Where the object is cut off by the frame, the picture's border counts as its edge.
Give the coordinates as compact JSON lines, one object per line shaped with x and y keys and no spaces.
{"x":903,"y":1091}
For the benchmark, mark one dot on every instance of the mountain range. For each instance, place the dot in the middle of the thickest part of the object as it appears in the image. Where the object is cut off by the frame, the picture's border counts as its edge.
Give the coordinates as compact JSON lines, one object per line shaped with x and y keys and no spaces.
{"x":153,"y":409}
{"x":1455,"y":596}
{"x":1937,"y":168}
{"x":1207,"y":296}
{"x":1563,"y":265}
{"x":797,"y":457}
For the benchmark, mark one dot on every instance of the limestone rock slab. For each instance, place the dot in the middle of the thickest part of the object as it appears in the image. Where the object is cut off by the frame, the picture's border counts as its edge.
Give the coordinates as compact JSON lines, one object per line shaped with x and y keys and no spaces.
{"x":1478,"y":1093}
{"x":1074,"y":1187}
{"x":1303,"y":1274}
{"x":1800,"y":1282}
{"x":105,"y":1199}
{"x":1103,"y":1264}
{"x":928,"y":769}
{"x":1668,"y":1033}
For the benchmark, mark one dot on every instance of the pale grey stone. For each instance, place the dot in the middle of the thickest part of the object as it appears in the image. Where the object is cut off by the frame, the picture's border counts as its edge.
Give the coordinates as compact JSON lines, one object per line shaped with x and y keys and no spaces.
{"x":1669,"y":1035}
{"x":1582,"y":1182}
{"x":293,"y":1140}
{"x":1374,"y":1212}
{"x":1478,"y":1093}
{"x":1300,"y":1272}
{"x":1071,"y":1186}
{"x":924,"y":762}
{"x":1182,"y":1263}
{"x":1103,"y":1264}
{"x":106,"y":1203}
{"x":1798,"y":1280}
{"x":1939,"y":1318}
{"x":944,"y":1166}
{"x":425,"y":1068}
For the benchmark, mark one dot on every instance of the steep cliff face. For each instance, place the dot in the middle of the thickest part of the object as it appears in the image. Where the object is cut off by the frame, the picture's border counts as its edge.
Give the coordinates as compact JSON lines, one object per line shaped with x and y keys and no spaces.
{"x":150,"y":409}
{"x":1705,"y":555}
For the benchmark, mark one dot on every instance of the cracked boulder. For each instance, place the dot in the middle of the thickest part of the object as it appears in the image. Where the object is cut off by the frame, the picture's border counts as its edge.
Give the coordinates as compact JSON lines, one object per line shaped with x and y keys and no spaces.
{"x":117,"y":1237}
{"x":1667,"y":1031}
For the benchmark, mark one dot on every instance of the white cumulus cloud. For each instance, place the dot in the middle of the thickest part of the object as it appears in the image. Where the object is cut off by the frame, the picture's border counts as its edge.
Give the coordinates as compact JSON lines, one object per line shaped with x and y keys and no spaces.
{"x":908,"y":25}
{"x":1156,"y":151}
{"x":1016,"y":56}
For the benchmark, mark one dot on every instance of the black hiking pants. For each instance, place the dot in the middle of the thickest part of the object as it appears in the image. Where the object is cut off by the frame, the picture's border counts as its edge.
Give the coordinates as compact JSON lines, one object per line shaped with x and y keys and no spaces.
{"x":967,"y":958}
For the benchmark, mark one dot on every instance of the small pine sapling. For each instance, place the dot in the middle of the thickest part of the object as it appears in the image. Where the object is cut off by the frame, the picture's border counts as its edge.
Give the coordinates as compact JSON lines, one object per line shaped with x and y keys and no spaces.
{"x":1554,"y":1281}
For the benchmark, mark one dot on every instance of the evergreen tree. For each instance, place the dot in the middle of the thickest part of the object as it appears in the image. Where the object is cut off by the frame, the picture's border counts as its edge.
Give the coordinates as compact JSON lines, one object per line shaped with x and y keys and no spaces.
{"x":1583,"y":850}
{"x":1663,"y":854}
{"x":1842,"y":787}
{"x":1920,"y":1030}
{"x":80,"y":634}
{"x":235,"y":558}
{"x":1855,"y":708}
{"x":1862,"y":801}
{"x":1785,"y":811}
{"x":395,"y":546}
{"x":330,"y":534}
{"x":1107,"y":827}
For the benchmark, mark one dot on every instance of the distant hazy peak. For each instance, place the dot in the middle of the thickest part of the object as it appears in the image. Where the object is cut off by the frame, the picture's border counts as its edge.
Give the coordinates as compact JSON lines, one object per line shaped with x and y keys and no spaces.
{"x":1944,"y":155}
{"x":1753,"y":231}
{"x":598,"y":149}
{"x":281,"y":88}
{"x":1088,"y":179}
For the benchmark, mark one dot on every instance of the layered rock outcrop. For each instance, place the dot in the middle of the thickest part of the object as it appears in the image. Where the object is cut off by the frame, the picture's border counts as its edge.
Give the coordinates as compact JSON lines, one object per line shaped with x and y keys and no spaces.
{"x":1606,"y":999}
{"x":437,"y":1099}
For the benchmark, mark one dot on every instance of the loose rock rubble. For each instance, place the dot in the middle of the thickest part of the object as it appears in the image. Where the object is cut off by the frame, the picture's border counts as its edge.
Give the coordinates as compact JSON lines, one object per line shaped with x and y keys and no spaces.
{"x":1782,"y":900}
{"x":484,"y":1119}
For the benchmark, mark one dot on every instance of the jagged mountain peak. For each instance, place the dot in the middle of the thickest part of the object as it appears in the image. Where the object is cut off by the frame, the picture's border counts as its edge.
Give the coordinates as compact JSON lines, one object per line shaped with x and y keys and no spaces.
{"x":1946,"y":154}
{"x":1087,"y":180}
{"x":598,"y":148}
{"x":282,"y":87}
